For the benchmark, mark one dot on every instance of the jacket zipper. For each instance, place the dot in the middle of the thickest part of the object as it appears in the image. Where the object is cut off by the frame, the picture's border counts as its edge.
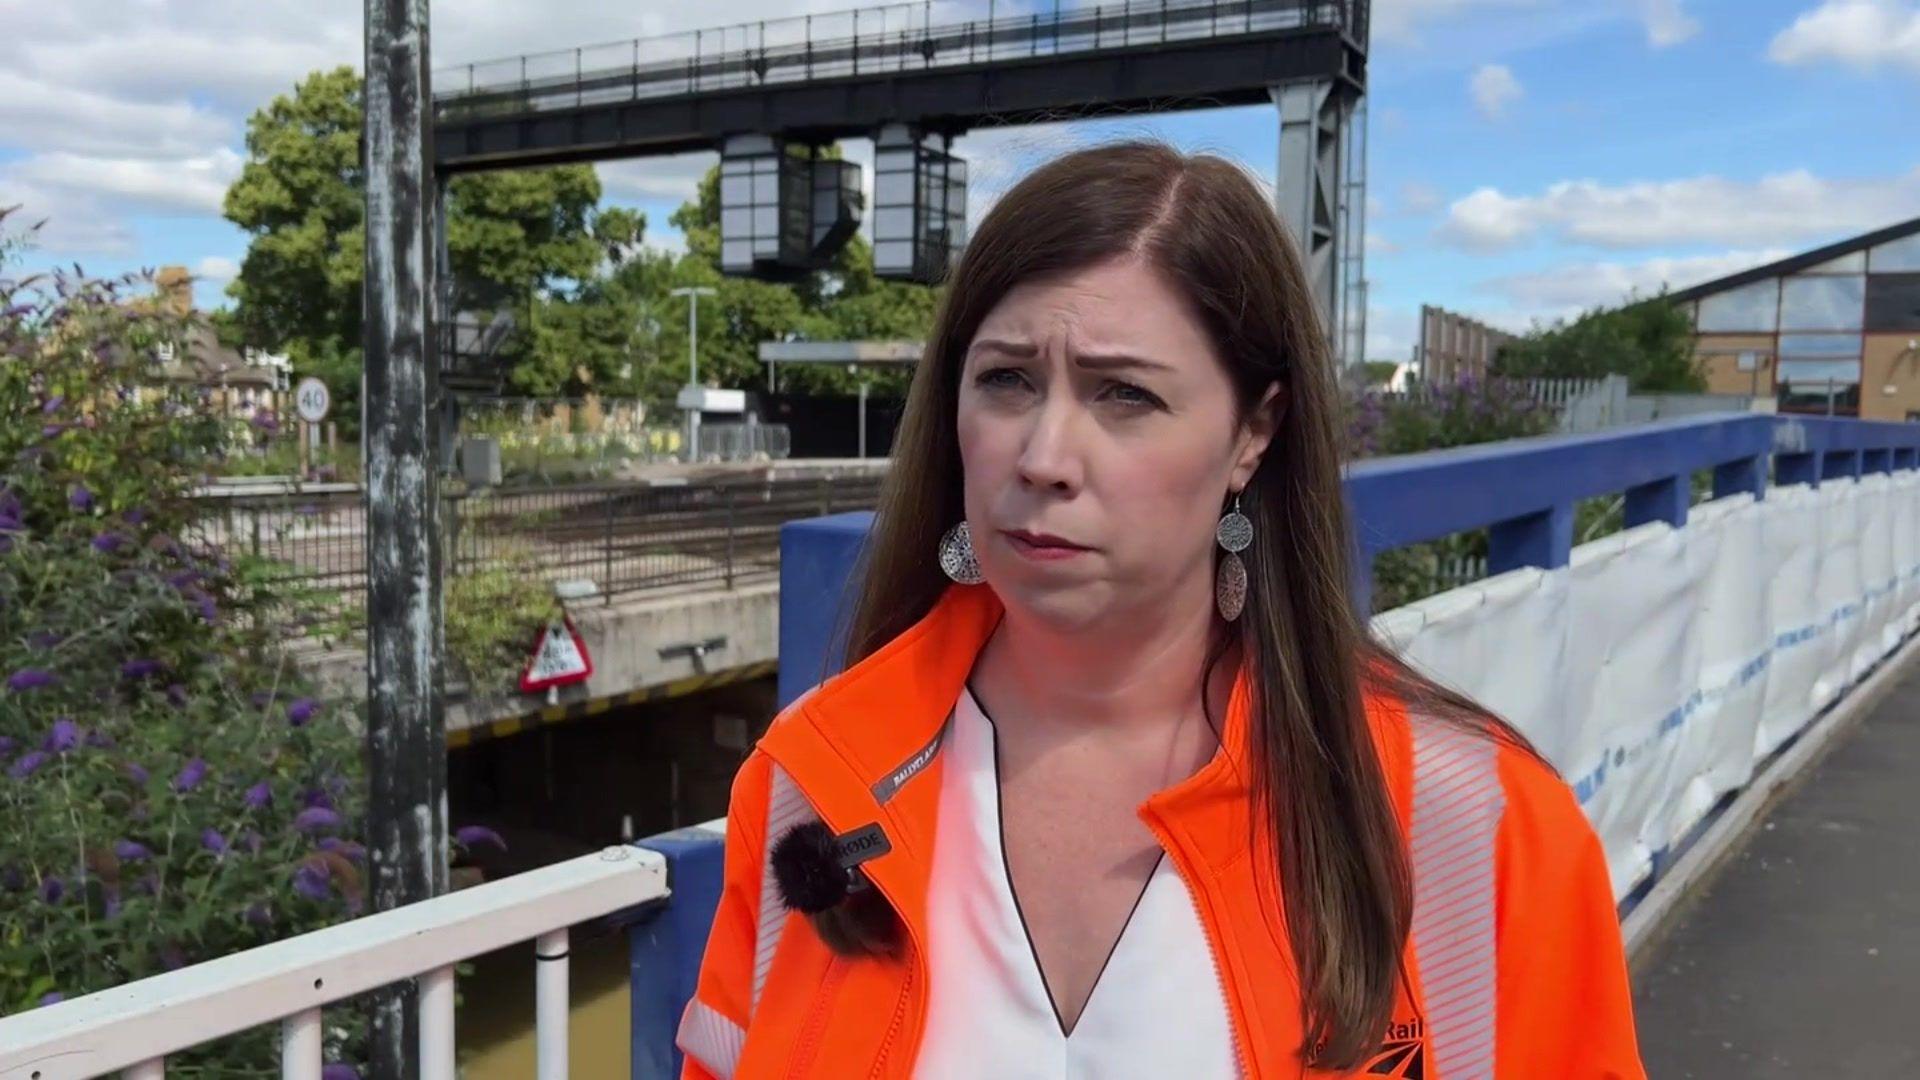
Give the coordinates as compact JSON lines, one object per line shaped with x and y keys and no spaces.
{"x":1227,"y":997}
{"x":809,"y":1044}
{"x":893,"y":1026}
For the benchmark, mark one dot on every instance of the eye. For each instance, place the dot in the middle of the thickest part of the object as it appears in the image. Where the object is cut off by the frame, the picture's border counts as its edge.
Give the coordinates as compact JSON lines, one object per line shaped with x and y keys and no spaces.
{"x":1132,"y":396}
{"x":1000,"y":378}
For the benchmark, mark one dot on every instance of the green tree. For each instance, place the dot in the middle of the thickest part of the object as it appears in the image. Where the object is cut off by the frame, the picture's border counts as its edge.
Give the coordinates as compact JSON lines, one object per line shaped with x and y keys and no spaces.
{"x":844,"y":300}
{"x":516,"y":240}
{"x":1650,"y":342}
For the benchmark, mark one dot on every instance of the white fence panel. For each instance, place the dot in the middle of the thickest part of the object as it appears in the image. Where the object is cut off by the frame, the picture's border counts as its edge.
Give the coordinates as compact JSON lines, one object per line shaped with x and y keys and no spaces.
{"x":1661,"y":665}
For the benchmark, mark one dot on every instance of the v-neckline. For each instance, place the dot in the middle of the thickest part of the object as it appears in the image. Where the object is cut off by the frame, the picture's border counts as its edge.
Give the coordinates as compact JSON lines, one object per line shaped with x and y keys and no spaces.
{"x":1012,"y":894}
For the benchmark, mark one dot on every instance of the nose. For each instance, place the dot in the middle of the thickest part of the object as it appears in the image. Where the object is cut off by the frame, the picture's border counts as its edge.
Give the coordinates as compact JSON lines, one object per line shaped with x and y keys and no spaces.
{"x":1050,"y":457}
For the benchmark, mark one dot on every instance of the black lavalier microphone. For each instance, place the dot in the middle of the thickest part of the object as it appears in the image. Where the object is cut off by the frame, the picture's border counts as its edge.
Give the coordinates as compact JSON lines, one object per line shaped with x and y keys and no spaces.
{"x":816,"y":870}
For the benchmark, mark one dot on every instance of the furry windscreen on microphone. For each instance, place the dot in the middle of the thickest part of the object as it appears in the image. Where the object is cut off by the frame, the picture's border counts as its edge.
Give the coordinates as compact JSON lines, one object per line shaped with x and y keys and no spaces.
{"x":807,"y":868}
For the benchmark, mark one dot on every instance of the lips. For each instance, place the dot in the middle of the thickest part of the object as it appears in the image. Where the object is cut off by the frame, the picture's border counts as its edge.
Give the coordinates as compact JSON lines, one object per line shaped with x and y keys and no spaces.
{"x":1042,"y":545}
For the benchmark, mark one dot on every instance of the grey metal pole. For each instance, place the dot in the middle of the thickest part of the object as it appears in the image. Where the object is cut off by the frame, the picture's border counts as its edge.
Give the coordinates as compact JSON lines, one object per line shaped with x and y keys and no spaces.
{"x":693,"y":373}
{"x":406,"y":738}
{"x":863,"y":418}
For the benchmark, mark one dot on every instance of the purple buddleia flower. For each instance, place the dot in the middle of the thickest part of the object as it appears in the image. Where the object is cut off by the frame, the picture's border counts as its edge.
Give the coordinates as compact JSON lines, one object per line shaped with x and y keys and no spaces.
{"x":138,"y":774}
{"x":131,"y":851}
{"x":29,"y":679}
{"x":7,"y":745}
{"x":471,"y":836}
{"x":53,"y":404}
{"x":344,"y":847}
{"x":99,"y":740}
{"x":316,"y":819}
{"x":209,"y":612}
{"x":147,"y":886}
{"x":183,"y":578}
{"x":301,"y":711}
{"x":52,"y":997}
{"x":52,"y":889}
{"x":28,"y":764}
{"x":336,"y":1070}
{"x":316,"y":796}
{"x":111,"y":904}
{"x":80,"y":498}
{"x":310,"y":881}
{"x":211,"y":839}
{"x":108,"y":542}
{"x":258,"y":915}
{"x":259,"y":795}
{"x":177,"y":695}
{"x":135,"y":516}
{"x":253,"y":840}
{"x":140,"y":669}
{"x":64,"y":736}
{"x":191,"y":776}
{"x":48,"y":431}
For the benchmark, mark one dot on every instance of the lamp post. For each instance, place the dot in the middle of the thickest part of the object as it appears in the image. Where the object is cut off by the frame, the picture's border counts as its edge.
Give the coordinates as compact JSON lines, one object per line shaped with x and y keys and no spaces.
{"x":693,"y":293}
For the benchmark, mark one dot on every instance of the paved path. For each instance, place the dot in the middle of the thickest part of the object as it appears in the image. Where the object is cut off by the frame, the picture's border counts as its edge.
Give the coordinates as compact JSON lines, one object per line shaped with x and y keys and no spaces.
{"x":1803,"y":958}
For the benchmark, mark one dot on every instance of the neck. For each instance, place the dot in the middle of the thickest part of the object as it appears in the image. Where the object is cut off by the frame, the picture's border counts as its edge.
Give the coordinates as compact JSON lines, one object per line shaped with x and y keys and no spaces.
{"x":1138,"y":669}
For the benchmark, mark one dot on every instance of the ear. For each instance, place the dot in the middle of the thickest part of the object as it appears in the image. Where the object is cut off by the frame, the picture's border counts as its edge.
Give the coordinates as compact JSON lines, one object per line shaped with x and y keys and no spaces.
{"x":1257,"y":434}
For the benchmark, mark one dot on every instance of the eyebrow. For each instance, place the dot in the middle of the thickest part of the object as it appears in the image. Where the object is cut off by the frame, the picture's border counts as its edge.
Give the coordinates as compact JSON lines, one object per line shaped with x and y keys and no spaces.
{"x":1092,"y":361}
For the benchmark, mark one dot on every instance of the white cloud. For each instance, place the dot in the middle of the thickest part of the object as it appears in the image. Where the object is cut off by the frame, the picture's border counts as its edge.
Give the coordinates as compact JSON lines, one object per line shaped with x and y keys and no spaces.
{"x":39,"y":115}
{"x":69,"y":225}
{"x":193,"y":185}
{"x":1568,"y":289}
{"x":1494,"y":88}
{"x":1862,"y":34}
{"x":1667,"y":24}
{"x":1397,"y":20}
{"x":215,"y":270}
{"x":1781,"y":209}
{"x":673,"y":178}
{"x":1392,"y":332}
{"x":1378,"y":244}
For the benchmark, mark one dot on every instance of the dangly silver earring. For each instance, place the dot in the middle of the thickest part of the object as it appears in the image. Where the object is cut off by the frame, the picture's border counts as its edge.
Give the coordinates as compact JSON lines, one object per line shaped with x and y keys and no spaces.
{"x":1234,"y":534}
{"x":957,"y":558}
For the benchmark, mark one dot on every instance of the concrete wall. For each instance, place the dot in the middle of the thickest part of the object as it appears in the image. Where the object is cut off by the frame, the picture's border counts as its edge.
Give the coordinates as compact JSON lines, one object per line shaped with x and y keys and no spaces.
{"x":624,"y":639}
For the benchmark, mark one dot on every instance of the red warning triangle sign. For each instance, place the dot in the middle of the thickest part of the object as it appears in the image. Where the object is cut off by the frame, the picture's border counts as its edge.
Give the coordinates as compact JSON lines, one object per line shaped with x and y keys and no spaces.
{"x":559,"y":657}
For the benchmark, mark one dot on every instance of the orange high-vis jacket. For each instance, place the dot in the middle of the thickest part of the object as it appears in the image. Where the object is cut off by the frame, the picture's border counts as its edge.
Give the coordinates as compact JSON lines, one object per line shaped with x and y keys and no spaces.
{"x":1515,"y":967}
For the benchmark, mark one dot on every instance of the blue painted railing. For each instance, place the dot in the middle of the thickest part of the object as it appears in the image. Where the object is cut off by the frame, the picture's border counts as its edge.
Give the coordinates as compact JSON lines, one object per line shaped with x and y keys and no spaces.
{"x":1522,"y":491}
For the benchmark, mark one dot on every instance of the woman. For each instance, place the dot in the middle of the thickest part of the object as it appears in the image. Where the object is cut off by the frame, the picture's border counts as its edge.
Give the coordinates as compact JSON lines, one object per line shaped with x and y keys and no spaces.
{"x":1116,"y":784}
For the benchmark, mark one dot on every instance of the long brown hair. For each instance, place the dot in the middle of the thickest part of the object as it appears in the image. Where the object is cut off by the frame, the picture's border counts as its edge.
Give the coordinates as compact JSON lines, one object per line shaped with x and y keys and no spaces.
{"x":1320,"y":793}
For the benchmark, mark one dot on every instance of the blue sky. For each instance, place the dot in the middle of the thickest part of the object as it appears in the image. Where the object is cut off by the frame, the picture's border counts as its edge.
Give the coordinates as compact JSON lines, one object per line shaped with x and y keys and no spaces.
{"x":1528,"y":158}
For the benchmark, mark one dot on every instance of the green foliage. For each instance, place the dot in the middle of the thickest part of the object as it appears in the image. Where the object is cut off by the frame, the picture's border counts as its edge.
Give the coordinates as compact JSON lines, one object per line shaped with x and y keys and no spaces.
{"x":1377,"y":372}
{"x":169,"y":792}
{"x":513,"y":238}
{"x":1650,"y":342}
{"x":1437,"y":417}
{"x":492,"y":616}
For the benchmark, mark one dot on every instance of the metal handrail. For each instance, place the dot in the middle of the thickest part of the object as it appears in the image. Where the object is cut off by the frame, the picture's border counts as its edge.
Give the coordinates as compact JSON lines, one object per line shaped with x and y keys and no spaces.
{"x":787,"y":50}
{"x":136,"y":1025}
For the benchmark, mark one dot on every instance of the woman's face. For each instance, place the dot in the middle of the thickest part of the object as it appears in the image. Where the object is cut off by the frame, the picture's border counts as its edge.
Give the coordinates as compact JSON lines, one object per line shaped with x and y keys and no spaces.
{"x":1100,"y":435}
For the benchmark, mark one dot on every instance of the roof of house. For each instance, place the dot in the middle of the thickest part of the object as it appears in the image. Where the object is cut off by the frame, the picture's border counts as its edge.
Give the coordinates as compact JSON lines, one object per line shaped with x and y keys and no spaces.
{"x":1796,"y":263}
{"x":209,"y":363}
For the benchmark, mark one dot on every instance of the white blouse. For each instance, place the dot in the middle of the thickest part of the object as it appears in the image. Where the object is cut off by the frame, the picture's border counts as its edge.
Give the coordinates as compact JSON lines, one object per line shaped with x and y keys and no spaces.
{"x":1155,"y":1011}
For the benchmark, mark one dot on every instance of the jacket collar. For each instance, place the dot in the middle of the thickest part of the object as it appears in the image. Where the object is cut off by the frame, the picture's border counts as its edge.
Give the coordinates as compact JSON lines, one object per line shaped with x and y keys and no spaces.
{"x":865,"y":746}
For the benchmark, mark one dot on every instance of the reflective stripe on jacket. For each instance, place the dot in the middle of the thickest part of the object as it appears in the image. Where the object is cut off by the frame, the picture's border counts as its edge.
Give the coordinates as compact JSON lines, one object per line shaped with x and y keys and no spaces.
{"x":1515,"y":968}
